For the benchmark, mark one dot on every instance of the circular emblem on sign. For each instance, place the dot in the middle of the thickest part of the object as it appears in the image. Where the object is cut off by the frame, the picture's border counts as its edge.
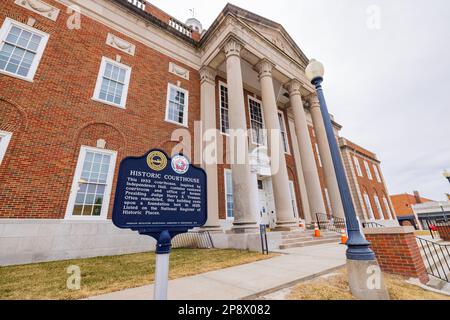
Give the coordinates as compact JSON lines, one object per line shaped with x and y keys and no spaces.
{"x":180,"y":164}
{"x":157,"y":160}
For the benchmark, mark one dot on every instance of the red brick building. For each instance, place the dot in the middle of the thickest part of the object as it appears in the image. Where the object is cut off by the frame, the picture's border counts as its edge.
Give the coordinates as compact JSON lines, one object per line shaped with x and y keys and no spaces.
{"x":84,"y":84}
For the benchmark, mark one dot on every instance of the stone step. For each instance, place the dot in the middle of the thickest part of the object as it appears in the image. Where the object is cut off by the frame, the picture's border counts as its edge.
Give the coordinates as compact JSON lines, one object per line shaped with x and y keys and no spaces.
{"x":309,"y":243}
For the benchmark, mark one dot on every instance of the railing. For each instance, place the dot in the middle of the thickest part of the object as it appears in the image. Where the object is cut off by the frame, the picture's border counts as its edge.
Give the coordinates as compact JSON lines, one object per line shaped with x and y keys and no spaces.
{"x":367,"y":225}
{"x":193,"y":240}
{"x":330,"y":223}
{"x":432,"y":225}
{"x":181,"y":27}
{"x":137,"y":3}
{"x":437,"y":258}
{"x":263,"y":236}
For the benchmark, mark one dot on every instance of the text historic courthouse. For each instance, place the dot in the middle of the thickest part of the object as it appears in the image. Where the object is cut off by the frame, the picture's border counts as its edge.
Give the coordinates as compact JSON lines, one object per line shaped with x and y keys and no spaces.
{"x":84,"y":84}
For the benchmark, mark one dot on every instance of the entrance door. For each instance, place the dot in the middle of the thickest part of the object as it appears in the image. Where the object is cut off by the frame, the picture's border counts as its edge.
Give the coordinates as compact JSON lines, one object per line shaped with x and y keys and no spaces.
{"x":263,"y":204}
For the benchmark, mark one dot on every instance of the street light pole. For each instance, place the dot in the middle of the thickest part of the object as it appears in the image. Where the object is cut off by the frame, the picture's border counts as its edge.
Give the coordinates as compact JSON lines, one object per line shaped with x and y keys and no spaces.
{"x":358,"y":246}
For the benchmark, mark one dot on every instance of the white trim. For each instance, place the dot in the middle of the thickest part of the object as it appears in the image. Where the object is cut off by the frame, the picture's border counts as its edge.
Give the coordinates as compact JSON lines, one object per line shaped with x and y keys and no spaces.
{"x":316,"y":146}
{"x":357,"y":166}
{"x":378,"y":205}
{"x":76,"y":178}
{"x":225,"y":171}
{"x":288,"y":147}
{"x":98,"y":84}
{"x":5,"y":139}
{"x":327,"y":198}
{"x":263,"y":122}
{"x":294,"y":199}
{"x":377,"y":173}
{"x":223,"y":84}
{"x":6,"y":27}
{"x":388,"y":209}
{"x":369,"y":173}
{"x":369,"y":206}
{"x":186,"y":105}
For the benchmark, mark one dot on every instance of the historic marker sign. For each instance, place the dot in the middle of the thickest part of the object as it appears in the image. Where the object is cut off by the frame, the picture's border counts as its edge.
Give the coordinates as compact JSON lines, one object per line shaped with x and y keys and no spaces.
{"x":156,"y":193}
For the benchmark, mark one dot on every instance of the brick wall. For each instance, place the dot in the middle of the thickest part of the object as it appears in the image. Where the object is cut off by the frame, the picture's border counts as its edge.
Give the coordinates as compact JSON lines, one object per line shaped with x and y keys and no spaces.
{"x":397,"y":251}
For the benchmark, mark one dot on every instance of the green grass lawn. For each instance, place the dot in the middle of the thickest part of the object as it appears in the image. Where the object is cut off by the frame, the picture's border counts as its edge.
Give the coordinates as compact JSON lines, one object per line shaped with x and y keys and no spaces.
{"x":108,"y":274}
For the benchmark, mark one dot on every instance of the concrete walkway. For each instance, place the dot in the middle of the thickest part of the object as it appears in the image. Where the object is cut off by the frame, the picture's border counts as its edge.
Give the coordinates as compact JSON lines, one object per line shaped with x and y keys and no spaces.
{"x":247,"y":281}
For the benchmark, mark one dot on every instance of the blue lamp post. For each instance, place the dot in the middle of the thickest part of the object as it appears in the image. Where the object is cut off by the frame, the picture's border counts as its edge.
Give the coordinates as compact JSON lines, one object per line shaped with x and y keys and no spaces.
{"x":358,"y":246}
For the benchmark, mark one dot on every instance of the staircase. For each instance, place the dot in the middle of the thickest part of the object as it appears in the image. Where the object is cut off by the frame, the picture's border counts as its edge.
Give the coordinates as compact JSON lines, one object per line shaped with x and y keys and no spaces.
{"x":299,"y":239}
{"x":436,"y":257}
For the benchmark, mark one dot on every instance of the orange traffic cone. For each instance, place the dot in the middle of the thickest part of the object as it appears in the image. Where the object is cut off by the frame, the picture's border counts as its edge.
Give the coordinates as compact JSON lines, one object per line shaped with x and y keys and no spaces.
{"x":343,"y":236}
{"x":316,"y":231}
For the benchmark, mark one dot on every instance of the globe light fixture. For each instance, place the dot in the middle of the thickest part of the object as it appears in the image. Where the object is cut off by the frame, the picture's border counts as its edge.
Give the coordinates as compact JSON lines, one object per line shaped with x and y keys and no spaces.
{"x":314,"y":70}
{"x":446,"y":175}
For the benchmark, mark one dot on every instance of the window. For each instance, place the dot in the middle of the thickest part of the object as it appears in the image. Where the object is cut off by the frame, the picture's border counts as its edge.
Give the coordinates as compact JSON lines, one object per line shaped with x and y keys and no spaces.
{"x":91,"y":188}
{"x":260,"y":185}
{"x":21,"y":49}
{"x":112,"y":83}
{"x":5,"y":137}
{"x":284,"y":134}
{"x":318,"y":154}
{"x":369,"y":174}
{"x":378,"y":205}
{"x":228,"y":194}
{"x":293,"y":198}
{"x":377,"y":173}
{"x":327,"y":197}
{"x":177,"y":105}
{"x":369,"y":206}
{"x":256,"y":121}
{"x":388,"y":209}
{"x":357,"y":166}
{"x":224,"y":120}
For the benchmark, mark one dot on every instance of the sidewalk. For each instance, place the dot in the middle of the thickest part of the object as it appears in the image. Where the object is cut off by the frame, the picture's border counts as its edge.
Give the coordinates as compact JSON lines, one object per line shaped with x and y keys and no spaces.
{"x":246,"y":281}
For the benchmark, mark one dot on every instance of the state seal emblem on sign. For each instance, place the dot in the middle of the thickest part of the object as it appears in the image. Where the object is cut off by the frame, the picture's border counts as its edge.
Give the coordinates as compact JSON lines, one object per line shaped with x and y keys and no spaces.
{"x":180,"y":164}
{"x":157,"y":160}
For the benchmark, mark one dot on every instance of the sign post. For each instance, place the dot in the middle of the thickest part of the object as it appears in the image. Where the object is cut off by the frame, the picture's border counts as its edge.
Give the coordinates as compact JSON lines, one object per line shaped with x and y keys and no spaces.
{"x":160,"y":197}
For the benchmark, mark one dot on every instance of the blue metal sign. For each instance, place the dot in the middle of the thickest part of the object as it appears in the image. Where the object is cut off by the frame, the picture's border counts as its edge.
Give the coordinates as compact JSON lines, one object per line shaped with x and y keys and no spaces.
{"x":156,"y":193}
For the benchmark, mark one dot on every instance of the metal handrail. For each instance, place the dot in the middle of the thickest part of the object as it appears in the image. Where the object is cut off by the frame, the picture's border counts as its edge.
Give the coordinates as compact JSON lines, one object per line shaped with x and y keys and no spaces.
{"x":437,"y":258}
{"x":193,"y":240}
{"x":263,"y":236}
{"x":372,"y":224}
{"x":331,"y":223}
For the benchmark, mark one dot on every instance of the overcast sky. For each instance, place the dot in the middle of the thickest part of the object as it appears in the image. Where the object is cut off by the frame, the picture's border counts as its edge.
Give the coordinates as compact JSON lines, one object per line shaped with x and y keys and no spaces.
{"x":387,"y":80}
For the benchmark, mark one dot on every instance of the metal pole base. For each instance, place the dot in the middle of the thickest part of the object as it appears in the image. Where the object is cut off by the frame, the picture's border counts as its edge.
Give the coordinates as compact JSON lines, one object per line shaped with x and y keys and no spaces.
{"x":366,"y":280}
{"x":161,"y":276}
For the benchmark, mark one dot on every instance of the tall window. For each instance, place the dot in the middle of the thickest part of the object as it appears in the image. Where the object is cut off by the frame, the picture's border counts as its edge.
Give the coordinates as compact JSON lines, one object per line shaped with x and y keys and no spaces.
{"x":368,"y":206}
{"x":21,"y":49}
{"x":5,"y":137}
{"x":388,"y":209}
{"x":177,"y":105}
{"x":228,"y":194}
{"x":91,"y":188}
{"x":112,"y":83}
{"x":327,"y":196}
{"x":357,"y":166}
{"x":256,"y":121}
{"x":377,"y":173}
{"x":369,"y":173}
{"x":378,"y":204}
{"x":224,"y":120}
{"x":284,"y":134}
{"x":316,"y":146}
{"x":293,"y":198}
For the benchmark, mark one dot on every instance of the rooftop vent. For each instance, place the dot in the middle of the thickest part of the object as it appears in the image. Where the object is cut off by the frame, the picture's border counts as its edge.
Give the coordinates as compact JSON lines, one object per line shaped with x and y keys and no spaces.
{"x":137,"y":3}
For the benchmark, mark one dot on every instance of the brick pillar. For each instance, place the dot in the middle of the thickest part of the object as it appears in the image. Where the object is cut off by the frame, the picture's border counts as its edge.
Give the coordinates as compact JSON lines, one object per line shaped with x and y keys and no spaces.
{"x":397,"y":251}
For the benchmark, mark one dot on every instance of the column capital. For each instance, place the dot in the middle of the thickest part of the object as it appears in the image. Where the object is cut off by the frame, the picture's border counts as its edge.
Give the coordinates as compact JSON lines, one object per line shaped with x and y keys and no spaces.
{"x":294,"y":87}
{"x":264,"y":68}
{"x":313,"y":101}
{"x":232,"y":47}
{"x":207,"y":74}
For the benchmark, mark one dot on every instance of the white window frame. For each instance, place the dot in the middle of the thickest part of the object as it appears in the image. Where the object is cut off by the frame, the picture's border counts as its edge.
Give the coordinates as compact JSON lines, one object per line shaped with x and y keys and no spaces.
{"x":388,"y":209}
{"x":377,"y":173}
{"x":376,"y":199}
{"x":6,"y":27}
{"x":285,"y":134}
{"x":223,"y":84}
{"x":294,"y":199}
{"x":316,"y":146}
{"x":225,"y":172}
{"x":76,"y":179}
{"x":357,"y":166}
{"x":186,"y":102}
{"x":6,"y":138}
{"x":369,"y":173}
{"x":263,"y":122}
{"x":98,"y":84}
{"x":369,"y":206}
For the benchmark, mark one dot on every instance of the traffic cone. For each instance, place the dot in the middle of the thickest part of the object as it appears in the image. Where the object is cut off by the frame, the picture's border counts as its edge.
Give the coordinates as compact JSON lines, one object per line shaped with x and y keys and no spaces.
{"x":316,"y":231}
{"x":343,"y":236}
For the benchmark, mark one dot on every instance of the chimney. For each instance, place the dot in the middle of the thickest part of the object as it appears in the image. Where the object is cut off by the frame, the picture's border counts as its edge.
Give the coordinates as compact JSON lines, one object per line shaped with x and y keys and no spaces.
{"x":418,"y":197}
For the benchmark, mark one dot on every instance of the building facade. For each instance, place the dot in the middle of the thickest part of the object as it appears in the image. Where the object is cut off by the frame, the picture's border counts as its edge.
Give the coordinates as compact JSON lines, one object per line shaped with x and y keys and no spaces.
{"x":85,"y":84}
{"x":404,"y":207}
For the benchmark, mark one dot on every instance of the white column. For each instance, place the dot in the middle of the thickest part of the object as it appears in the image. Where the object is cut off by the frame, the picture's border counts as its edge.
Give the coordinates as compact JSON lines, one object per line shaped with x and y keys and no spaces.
{"x":327,"y":160}
{"x":244,"y":209}
{"x":316,"y":202}
{"x":209,"y":139}
{"x":280,"y":178}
